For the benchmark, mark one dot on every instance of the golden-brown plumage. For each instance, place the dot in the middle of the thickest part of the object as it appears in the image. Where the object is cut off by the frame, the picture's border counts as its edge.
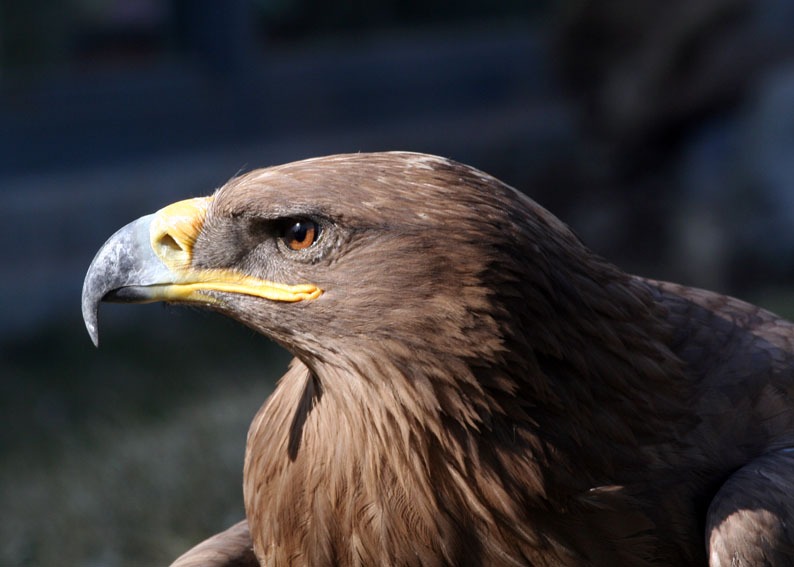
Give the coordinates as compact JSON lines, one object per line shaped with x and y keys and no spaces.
{"x":473,"y":386}
{"x":230,"y":548}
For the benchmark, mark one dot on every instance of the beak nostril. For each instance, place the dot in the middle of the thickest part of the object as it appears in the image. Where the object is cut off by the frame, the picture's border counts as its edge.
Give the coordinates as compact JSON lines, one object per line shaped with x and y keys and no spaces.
{"x":168,"y":241}
{"x":174,"y":229}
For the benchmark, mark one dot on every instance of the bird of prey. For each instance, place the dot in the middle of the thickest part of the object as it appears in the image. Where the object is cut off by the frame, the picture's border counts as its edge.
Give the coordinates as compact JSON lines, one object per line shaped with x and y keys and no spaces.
{"x":472,"y":386}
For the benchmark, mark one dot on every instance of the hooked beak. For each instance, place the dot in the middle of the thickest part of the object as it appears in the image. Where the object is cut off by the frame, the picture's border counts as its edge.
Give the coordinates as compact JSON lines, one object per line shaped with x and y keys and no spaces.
{"x":150,"y":259}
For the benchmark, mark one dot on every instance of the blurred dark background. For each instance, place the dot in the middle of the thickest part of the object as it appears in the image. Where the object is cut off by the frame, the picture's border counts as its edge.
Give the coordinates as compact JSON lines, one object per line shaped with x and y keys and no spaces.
{"x":662,"y":132}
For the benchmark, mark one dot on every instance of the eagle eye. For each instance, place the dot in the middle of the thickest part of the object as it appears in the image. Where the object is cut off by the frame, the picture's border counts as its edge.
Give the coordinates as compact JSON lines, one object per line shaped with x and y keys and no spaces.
{"x":299,"y":234}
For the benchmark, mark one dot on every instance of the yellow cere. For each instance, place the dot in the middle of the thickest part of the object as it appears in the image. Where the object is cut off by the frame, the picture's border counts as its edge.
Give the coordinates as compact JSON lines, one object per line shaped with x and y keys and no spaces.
{"x":175,"y":228}
{"x":173,"y":232}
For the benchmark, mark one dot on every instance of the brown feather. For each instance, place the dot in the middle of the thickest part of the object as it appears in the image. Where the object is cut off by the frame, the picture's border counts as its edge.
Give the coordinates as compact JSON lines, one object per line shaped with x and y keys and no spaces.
{"x":476,"y":387}
{"x":230,"y":548}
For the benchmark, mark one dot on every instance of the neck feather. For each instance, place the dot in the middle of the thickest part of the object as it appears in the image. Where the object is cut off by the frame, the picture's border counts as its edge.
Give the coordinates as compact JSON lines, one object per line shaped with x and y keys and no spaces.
{"x":394,"y":440}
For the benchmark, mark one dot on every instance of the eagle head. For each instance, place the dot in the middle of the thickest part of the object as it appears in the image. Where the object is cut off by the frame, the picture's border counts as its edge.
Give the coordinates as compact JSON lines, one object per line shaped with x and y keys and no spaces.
{"x":347,"y":249}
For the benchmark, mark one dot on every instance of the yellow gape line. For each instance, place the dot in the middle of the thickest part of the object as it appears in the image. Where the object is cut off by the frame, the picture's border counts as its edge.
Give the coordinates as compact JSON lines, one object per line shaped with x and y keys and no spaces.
{"x":245,"y":286}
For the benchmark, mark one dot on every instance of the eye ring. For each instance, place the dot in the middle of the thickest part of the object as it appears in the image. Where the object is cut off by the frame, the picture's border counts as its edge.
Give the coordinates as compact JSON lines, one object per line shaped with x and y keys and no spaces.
{"x":299,"y":234}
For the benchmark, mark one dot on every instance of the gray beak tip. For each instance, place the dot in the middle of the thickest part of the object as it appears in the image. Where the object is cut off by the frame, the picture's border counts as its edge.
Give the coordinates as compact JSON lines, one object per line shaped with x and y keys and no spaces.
{"x":93,"y":332}
{"x":126,"y":259}
{"x":90,"y":307}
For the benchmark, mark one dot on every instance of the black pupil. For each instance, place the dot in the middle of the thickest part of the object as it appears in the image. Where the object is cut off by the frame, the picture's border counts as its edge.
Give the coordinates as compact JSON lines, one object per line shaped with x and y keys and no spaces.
{"x":300,"y":234}
{"x":298,"y":231}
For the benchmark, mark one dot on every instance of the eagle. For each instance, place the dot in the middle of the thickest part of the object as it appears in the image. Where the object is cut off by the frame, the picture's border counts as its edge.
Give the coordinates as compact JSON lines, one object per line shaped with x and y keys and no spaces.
{"x":472,"y":385}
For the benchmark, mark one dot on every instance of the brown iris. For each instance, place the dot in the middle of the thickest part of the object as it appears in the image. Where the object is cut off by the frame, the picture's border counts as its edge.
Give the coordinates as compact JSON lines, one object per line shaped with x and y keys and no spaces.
{"x":300,"y":234}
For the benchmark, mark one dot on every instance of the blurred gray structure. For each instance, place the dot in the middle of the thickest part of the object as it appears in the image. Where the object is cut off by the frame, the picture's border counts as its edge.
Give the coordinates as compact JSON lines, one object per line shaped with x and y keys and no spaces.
{"x":85,"y":158}
{"x":663,"y":137}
